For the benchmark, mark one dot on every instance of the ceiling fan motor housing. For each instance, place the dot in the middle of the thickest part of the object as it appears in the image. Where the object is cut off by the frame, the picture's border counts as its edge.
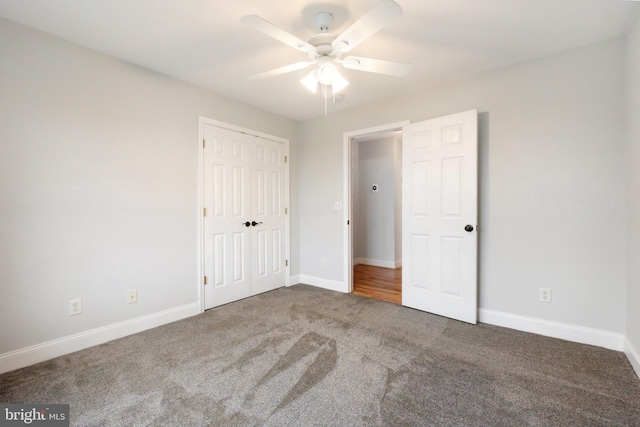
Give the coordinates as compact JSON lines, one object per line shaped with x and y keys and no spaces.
{"x":322,"y":43}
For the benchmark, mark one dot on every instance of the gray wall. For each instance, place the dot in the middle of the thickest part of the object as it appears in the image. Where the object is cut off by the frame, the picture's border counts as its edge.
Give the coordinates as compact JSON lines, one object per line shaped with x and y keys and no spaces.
{"x":553,"y":200}
{"x":98,"y":186}
{"x":633,"y":137}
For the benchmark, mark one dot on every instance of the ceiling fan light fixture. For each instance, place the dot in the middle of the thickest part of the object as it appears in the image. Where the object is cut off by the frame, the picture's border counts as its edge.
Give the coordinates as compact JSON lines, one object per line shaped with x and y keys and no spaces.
{"x":328,"y":76}
{"x":338,"y":83}
{"x":310,"y":81}
{"x":327,"y":73}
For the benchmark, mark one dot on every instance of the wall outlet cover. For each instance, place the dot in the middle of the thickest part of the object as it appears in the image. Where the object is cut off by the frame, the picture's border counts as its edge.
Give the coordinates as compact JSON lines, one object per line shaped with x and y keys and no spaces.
{"x":132,"y":296}
{"x":75,"y":306}
{"x":545,"y":294}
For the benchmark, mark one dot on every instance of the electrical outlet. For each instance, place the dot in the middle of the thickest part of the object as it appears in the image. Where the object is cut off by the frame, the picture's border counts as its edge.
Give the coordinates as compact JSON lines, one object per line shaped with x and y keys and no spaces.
{"x":323,"y":263}
{"x":545,"y":295}
{"x":75,"y":306}
{"x":337,"y":206}
{"x":132,"y":296}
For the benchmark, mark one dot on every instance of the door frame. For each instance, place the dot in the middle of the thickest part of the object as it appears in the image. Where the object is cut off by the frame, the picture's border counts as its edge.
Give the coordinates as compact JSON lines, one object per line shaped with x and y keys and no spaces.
{"x":202,"y":121}
{"x":347,"y":199}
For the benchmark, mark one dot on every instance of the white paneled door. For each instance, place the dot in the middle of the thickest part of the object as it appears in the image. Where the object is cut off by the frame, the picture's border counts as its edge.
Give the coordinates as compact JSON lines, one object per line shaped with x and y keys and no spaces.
{"x":268,"y":239}
{"x":245,"y":227}
{"x":439,"y":249}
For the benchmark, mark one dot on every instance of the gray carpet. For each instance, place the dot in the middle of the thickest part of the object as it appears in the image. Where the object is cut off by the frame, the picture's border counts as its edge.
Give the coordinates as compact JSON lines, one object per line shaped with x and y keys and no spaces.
{"x":303,"y":356}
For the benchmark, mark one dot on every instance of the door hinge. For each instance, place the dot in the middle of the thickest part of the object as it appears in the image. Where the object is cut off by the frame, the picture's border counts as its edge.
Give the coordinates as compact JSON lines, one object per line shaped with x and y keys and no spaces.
{"x":286,"y":263}
{"x":285,"y":159}
{"x":205,"y":280}
{"x":286,"y":211}
{"x":204,"y":211}
{"x":203,"y":143}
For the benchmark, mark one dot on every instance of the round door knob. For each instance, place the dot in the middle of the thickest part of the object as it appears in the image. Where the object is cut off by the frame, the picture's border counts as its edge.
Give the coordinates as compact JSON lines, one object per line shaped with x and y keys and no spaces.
{"x":247,"y":224}
{"x":468,"y":228}
{"x":255,"y":223}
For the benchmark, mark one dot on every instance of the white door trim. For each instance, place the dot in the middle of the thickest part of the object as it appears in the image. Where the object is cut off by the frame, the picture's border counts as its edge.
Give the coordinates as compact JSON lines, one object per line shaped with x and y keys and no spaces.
{"x":200,"y":185}
{"x":346,"y":194}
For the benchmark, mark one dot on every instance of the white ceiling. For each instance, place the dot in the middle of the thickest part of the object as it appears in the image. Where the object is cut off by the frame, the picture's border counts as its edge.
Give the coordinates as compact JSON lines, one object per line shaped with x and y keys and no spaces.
{"x":204,"y":42}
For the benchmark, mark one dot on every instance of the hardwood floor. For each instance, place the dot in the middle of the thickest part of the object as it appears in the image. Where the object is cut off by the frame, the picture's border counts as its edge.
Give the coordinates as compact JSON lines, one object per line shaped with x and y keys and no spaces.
{"x":377,"y":282}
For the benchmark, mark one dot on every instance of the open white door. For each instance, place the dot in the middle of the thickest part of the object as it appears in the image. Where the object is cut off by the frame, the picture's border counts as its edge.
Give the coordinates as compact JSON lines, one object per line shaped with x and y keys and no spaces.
{"x":440,"y":193}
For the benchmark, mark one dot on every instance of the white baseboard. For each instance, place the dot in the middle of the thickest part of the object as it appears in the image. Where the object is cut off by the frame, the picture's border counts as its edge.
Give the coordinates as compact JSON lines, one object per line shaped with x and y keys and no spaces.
{"x":565,"y":331}
{"x":332,"y":285}
{"x":48,"y":350}
{"x":632,"y":355}
{"x":376,"y":262}
{"x":294,"y":280}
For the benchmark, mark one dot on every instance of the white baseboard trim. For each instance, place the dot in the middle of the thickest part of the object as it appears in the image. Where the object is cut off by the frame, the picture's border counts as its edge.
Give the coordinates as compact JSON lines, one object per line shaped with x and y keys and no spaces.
{"x":632,"y":355}
{"x":294,"y":280}
{"x":48,"y":350}
{"x":565,"y":331}
{"x":332,"y":285}
{"x":376,"y":262}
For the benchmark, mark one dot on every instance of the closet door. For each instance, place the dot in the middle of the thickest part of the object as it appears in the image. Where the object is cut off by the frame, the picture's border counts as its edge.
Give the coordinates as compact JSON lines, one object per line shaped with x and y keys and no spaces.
{"x":268,"y":239}
{"x":245,"y":226}
{"x":227,"y":202}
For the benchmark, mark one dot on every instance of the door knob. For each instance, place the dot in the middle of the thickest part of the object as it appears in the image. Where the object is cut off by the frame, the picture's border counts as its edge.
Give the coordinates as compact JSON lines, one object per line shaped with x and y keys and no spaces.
{"x":246,"y":224}
{"x":255,"y":223}
{"x":468,"y":228}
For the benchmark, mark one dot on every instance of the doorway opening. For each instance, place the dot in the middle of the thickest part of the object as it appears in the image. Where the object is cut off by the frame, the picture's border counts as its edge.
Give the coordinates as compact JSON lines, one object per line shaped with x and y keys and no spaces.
{"x":375,"y":213}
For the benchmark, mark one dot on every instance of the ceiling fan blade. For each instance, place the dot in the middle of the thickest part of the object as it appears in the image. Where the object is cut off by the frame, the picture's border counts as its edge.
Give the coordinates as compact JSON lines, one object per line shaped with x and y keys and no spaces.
{"x":281,"y":70}
{"x":370,"y":23}
{"x":277,"y":33}
{"x":391,"y":68}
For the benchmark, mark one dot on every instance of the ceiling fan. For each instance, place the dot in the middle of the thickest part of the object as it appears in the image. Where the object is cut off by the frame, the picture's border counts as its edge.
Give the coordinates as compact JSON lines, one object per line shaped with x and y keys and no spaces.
{"x":325,"y":50}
